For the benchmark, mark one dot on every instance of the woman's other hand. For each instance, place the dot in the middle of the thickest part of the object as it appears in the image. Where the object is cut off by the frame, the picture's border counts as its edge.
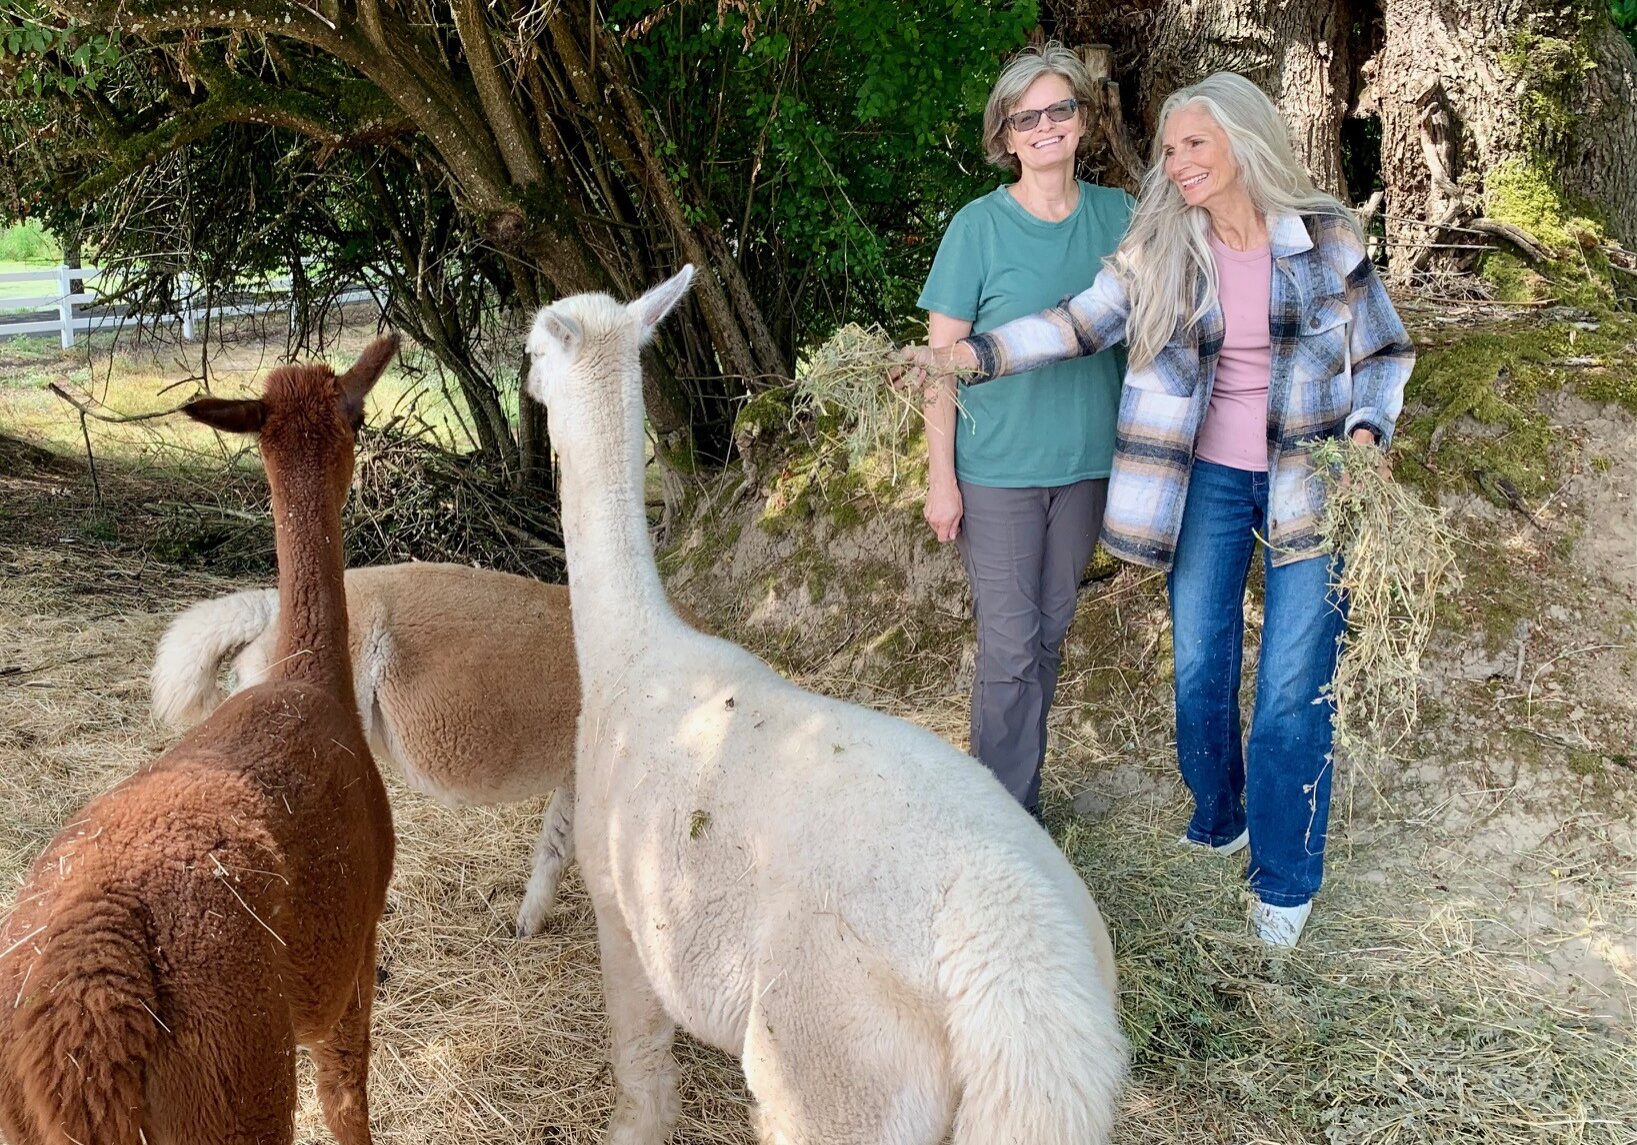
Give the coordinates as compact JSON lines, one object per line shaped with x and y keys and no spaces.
{"x":1364,"y":436}
{"x":943,"y":509}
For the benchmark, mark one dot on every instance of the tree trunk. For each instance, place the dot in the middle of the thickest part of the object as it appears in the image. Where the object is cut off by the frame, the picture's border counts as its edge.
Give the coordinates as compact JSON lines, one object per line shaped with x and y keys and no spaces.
{"x":1601,"y":160}
{"x":1521,"y":101}
{"x":1295,"y":50}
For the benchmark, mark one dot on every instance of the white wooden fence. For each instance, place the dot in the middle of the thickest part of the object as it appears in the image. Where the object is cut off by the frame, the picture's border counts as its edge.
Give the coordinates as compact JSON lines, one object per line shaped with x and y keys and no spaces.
{"x":67,"y":288}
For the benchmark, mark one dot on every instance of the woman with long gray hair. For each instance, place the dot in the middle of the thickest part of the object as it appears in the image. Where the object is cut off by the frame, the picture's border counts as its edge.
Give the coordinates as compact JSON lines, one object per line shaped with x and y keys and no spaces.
{"x":1256,"y":327}
{"x":1018,"y":476}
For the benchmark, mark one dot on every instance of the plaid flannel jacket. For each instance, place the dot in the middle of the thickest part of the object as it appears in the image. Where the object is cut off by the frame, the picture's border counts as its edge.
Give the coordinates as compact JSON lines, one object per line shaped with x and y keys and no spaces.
{"x":1340,"y":358}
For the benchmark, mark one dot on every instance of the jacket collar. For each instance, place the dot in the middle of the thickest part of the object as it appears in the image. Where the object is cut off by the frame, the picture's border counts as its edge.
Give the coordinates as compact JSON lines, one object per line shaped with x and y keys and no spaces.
{"x":1288,"y":235}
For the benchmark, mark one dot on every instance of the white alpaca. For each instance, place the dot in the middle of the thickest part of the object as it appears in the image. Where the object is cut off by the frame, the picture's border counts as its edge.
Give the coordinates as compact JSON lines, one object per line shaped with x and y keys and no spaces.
{"x":851,"y":906}
{"x":465,"y":679}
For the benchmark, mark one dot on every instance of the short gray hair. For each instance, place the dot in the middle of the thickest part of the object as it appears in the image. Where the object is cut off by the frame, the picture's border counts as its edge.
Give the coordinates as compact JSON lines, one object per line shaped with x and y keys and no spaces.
{"x":1020,"y":71}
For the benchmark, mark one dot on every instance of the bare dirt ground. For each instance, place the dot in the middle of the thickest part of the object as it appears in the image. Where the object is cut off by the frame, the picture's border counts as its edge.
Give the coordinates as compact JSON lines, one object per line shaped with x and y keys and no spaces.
{"x":1470,"y":973}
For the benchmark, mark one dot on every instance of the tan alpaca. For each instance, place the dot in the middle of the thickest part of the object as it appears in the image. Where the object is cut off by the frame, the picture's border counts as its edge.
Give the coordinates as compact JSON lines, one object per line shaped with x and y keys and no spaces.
{"x":192,"y":926}
{"x":465,"y":678}
{"x":466,"y":682}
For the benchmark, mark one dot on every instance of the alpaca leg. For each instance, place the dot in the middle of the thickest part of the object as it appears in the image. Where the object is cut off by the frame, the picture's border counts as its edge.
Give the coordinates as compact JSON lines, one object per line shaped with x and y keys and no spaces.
{"x":644,"y":1068}
{"x":553,"y":850}
{"x":341,"y":1061}
{"x":236,"y":1088}
{"x":837,"y":1056}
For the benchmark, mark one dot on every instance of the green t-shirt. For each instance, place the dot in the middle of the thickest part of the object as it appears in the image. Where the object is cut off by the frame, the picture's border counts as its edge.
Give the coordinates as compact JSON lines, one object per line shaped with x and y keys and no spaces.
{"x":1054,"y":425}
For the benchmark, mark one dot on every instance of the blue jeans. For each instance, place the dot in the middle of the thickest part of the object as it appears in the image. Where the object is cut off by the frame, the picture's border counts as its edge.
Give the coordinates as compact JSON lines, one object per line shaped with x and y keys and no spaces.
{"x":1280,"y":786}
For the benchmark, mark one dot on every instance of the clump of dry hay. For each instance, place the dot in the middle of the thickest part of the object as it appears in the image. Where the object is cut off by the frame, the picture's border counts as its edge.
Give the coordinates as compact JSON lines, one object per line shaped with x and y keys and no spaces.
{"x":1397,"y":556}
{"x":846,"y":380}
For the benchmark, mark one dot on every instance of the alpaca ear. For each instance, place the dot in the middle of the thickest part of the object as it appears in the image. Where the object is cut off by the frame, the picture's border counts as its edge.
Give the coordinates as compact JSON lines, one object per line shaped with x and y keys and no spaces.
{"x":230,"y":415}
{"x":554,"y":332}
{"x":366,"y":371}
{"x":652,"y":307}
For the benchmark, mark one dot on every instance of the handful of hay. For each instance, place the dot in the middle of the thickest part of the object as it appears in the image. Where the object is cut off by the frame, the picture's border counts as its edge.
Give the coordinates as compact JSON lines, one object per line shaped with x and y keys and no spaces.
{"x":846,"y":378}
{"x":1397,"y":555}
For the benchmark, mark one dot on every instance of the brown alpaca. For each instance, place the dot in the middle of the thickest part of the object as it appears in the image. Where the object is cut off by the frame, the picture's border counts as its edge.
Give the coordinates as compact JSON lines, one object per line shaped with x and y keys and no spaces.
{"x":192,"y":926}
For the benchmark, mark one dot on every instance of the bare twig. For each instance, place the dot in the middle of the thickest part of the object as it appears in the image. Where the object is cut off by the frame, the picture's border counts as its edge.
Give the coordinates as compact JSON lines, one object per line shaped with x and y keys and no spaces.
{"x":87,"y":409}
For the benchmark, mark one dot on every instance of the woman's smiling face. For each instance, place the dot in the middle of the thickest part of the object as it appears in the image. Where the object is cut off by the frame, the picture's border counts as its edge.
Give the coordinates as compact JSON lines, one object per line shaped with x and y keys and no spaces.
{"x":1197,"y":157}
{"x":1047,"y":145}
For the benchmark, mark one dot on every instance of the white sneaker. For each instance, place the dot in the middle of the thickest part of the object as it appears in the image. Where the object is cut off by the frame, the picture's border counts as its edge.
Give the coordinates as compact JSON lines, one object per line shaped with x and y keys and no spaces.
{"x":1236,"y":844}
{"x":1279,"y":925}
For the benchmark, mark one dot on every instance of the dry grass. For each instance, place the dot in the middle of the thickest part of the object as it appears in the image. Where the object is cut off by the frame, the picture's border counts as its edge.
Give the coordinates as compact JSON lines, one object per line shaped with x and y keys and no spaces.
{"x":1398,"y":557}
{"x":125,"y":376}
{"x":1395,"y":1022}
{"x":845,"y":385}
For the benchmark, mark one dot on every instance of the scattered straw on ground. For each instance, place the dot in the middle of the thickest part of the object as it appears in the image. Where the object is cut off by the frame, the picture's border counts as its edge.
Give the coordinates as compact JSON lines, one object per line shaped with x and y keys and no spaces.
{"x":1392,"y":1023}
{"x":1398,"y":556}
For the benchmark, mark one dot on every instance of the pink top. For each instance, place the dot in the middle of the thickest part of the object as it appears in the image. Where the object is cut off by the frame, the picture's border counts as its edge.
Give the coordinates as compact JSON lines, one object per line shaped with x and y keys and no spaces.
{"x":1236,"y":424}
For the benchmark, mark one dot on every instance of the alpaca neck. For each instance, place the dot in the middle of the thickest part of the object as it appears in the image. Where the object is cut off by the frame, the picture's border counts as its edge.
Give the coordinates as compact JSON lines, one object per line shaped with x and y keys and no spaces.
{"x":613,"y":581}
{"x":312,"y":639}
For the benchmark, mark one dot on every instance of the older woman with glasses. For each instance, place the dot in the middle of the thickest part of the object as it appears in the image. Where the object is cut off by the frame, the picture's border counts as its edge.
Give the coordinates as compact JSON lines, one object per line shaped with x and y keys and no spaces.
{"x":1018,"y":473}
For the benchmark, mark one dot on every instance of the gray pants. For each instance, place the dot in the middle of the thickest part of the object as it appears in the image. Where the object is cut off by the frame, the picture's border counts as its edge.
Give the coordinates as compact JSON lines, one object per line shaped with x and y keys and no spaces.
{"x":1024,"y":551}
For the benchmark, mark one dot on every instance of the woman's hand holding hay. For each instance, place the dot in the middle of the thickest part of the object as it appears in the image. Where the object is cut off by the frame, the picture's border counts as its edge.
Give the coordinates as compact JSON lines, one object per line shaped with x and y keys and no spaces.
{"x":1384,"y":466}
{"x":1397,"y":557}
{"x":927,"y":368}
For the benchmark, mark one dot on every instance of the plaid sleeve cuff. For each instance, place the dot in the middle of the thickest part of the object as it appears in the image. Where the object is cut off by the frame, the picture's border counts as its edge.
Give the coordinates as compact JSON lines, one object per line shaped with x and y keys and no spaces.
{"x":984,"y":349}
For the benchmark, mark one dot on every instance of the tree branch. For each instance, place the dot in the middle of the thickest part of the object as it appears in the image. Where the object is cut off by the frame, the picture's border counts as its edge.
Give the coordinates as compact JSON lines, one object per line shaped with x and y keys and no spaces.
{"x":238,"y":98}
{"x":522,"y":161}
{"x":430,"y":99}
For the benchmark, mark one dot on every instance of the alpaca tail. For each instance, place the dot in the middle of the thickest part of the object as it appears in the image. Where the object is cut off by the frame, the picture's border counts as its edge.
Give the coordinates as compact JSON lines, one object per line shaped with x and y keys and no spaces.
{"x":1034,"y":1036}
{"x":194,"y":647}
{"x":87,"y":1024}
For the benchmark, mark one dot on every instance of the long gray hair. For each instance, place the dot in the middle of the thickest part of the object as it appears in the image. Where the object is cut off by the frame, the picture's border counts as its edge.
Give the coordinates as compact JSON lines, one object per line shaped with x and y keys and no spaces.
{"x":1166,"y":255}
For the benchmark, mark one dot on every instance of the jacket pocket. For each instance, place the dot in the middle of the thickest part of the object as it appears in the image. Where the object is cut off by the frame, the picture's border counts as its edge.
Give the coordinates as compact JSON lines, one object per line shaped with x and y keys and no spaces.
{"x":1322,"y":389}
{"x":1156,"y":427}
{"x":1174,"y":372}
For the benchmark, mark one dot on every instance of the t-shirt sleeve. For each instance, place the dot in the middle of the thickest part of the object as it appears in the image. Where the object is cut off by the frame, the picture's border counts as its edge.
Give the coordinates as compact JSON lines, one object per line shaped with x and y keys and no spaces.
{"x":956,"y":281}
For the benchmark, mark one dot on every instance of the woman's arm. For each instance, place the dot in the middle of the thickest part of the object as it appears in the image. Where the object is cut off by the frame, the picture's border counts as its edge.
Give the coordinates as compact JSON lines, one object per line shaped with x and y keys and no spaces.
{"x":943,"y":503}
{"x":1382,"y":355}
{"x":1092,"y":320}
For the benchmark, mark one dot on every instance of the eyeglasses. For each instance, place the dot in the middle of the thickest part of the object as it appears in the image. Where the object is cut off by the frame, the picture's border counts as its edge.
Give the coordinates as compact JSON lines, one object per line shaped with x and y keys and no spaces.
{"x":1058,"y":112}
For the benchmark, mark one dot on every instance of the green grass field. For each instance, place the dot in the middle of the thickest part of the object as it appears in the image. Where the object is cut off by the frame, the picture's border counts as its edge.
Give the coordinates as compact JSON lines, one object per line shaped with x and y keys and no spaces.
{"x":126,"y":379}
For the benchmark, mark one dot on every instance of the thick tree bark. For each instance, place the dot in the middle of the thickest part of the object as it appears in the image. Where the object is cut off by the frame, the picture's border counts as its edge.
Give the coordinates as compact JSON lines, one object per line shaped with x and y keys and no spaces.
{"x":1295,"y":50}
{"x":1601,"y":159}
{"x":1496,"y":90}
{"x":1469,"y":93}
